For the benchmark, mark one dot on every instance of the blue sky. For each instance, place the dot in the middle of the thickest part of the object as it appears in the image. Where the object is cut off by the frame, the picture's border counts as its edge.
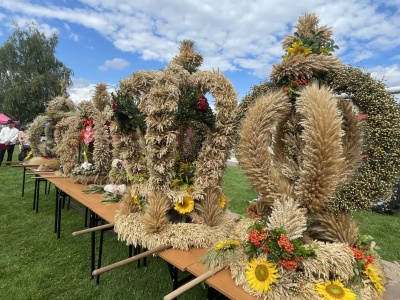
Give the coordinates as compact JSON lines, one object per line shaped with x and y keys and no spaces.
{"x":107,"y":40}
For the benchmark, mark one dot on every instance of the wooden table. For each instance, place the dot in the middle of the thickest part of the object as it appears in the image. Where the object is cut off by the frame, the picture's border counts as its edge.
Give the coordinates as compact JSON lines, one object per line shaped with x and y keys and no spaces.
{"x":98,"y":210}
{"x":221,"y":282}
{"x":179,"y":260}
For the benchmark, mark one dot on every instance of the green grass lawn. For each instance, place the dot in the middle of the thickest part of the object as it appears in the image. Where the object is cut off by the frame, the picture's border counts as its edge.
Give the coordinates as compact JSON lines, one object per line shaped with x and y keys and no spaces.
{"x":34,"y":264}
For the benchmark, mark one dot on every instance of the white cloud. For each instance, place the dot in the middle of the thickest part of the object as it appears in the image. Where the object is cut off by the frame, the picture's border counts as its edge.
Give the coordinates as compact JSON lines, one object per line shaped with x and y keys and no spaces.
{"x":72,"y":36}
{"x":390,"y":74}
{"x":231,"y":35}
{"x":45,"y":28}
{"x":115,"y":63}
{"x":83,"y":89}
{"x":396,"y":57}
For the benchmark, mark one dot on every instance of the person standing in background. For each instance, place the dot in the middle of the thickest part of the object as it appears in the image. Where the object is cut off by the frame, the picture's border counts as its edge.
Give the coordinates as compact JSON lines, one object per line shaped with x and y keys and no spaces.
{"x":8,"y":137}
{"x":23,"y":137}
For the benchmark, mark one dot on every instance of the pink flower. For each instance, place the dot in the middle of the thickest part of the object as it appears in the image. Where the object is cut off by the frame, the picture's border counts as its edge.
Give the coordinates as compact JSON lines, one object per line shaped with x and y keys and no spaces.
{"x":362,"y":116}
{"x":88,"y":135}
{"x":364,"y":156}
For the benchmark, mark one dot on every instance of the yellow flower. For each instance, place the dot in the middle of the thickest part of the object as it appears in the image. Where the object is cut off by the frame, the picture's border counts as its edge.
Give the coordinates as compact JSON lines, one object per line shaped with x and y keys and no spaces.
{"x":298,"y":48}
{"x":222,"y":201}
{"x":323,"y":50}
{"x":175,"y":183}
{"x":225,"y":245}
{"x":261,"y":274}
{"x":135,"y":199}
{"x":374,"y":277}
{"x":332,"y":290}
{"x":186,"y":206}
{"x":307,"y":51}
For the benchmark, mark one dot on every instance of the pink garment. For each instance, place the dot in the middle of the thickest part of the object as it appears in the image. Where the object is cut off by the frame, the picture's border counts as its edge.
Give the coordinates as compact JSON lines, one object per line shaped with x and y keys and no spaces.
{"x":23,"y":138}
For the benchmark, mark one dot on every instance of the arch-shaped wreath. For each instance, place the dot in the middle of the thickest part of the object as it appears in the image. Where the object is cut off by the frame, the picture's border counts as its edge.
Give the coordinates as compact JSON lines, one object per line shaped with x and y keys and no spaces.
{"x":43,"y":152}
{"x":159,"y":103}
{"x":301,"y":243}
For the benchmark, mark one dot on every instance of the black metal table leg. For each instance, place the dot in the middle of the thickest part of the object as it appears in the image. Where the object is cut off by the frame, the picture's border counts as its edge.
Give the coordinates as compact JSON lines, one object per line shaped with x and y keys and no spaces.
{"x":93,"y":244}
{"x":37,"y":190}
{"x":60,"y":200}
{"x":100,"y":253}
{"x":56,"y":211}
{"x":23,"y":182}
{"x":173,"y":272}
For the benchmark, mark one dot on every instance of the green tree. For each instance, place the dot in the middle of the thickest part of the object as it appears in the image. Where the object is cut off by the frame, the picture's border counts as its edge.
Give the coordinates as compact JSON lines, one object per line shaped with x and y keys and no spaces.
{"x":30,"y":74}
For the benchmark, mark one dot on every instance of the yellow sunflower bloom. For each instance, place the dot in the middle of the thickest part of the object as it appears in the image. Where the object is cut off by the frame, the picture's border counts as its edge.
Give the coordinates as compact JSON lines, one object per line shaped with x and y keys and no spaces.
{"x":186,"y":206}
{"x":261,"y":274}
{"x":374,"y":277}
{"x":333,"y":290}
{"x":222,"y":201}
{"x":298,"y":48}
{"x":294,"y":48}
{"x":225,"y":245}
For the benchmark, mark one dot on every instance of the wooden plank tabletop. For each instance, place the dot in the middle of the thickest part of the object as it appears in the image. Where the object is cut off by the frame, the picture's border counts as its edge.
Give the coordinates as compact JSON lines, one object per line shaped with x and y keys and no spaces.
{"x":105,"y":210}
{"x":182,"y":259}
{"x":222,"y":282}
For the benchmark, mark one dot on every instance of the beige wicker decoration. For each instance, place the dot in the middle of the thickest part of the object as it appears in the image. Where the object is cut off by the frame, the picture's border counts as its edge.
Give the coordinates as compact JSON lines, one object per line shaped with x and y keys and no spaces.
{"x":180,"y":201}
{"x":84,"y":142}
{"x":299,"y":145}
{"x":44,"y":152}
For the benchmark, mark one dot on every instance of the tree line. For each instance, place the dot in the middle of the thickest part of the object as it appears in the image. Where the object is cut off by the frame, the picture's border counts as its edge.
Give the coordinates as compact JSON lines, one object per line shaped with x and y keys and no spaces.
{"x":30,"y":74}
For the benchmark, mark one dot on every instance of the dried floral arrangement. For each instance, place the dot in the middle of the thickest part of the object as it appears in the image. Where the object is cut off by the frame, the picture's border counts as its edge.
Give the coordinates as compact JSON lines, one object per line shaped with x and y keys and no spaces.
{"x":176,"y":198}
{"x":128,"y":129}
{"x":44,"y":152}
{"x":299,"y":241}
{"x":84,"y":141}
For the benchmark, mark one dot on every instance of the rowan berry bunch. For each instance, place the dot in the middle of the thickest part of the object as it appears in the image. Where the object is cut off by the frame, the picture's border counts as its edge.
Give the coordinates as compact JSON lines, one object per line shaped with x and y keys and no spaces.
{"x":276,"y":245}
{"x":293,"y":86}
{"x":252,"y":211}
{"x":363,"y":257}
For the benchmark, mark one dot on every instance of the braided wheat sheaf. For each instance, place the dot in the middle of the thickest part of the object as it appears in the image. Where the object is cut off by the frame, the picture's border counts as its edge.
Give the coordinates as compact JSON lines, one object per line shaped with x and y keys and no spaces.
{"x":322,"y":158}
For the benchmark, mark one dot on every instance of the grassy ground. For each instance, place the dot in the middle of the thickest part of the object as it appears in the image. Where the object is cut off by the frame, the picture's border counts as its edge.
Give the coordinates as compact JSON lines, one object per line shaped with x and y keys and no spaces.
{"x":34,"y":264}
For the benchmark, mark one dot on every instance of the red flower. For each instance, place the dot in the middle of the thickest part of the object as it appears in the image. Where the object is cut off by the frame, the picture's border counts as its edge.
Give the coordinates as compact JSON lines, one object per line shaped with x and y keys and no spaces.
{"x":82,"y":135}
{"x":87,"y":122}
{"x":115,"y":105}
{"x":201,"y":103}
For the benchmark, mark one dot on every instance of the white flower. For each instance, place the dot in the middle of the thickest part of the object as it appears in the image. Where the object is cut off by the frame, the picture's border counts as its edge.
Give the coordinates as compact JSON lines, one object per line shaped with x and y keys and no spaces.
{"x":115,"y":189}
{"x":86,"y":166}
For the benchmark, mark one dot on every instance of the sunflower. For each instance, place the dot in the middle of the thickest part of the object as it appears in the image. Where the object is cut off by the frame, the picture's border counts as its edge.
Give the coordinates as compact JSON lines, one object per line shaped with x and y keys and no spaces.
{"x":332,"y":290}
{"x":222,"y":201}
{"x":298,"y":48}
{"x":261,"y":274}
{"x":225,"y":245}
{"x":186,"y":206}
{"x":374,"y":277}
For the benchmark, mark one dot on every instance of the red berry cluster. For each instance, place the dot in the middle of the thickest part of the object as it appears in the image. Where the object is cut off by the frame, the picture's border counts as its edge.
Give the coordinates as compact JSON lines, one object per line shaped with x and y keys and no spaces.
{"x":257,"y":237}
{"x":285,"y":243}
{"x":294,"y":84}
{"x":361,"y":254}
{"x":251,"y":211}
{"x":289,"y":264}
{"x":201,"y":103}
